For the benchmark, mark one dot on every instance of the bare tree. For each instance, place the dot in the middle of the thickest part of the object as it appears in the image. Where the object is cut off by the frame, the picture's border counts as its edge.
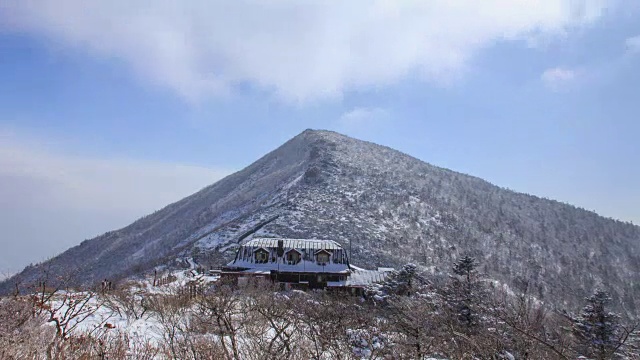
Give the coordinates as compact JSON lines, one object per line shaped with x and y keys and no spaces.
{"x":66,"y":310}
{"x":414,"y":321}
{"x":529,"y":329}
{"x":22,"y":334}
{"x":272,"y":327}
{"x":326,"y":320}
{"x":173,"y":314}
{"x":221,"y":313}
{"x":128,"y":300}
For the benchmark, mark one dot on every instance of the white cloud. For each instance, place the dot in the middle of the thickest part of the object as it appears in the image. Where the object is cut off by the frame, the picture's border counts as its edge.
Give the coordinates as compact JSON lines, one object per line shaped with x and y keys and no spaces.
{"x":50,"y":200}
{"x":118,"y":185}
{"x":297,"y":50}
{"x":361,"y":115}
{"x":362,"y":121}
{"x":558,"y":78}
{"x":633,"y":44}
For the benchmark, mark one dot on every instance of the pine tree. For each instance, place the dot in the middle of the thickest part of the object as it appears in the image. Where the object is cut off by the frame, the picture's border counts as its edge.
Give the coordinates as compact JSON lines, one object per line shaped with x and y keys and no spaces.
{"x":399,"y":282}
{"x":466,"y":267}
{"x":597,"y":331}
{"x":465,"y":294}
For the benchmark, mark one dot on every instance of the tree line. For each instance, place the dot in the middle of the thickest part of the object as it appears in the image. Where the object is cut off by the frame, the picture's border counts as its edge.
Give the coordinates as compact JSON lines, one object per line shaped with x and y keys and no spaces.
{"x":412,"y":315}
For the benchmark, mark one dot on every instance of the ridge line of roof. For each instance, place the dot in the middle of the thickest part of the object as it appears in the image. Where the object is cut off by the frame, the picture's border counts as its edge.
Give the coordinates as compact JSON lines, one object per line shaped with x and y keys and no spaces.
{"x":293,"y":239}
{"x":293,"y":243}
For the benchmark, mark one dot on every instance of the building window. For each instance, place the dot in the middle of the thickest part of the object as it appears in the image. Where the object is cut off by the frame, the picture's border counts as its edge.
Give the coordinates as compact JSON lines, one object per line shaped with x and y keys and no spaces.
{"x":322,"y":257}
{"x":293,"y":257}
{"x":262,"y":257}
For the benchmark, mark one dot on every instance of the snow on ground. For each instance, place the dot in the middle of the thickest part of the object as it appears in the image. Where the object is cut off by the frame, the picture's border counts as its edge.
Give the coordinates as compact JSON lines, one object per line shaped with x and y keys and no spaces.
{"x":100,"y":312}
{"x":148,"y":328}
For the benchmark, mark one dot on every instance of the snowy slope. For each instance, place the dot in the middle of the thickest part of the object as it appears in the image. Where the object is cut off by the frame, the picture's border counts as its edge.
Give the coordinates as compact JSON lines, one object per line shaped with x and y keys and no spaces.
{"x":390,"y":208}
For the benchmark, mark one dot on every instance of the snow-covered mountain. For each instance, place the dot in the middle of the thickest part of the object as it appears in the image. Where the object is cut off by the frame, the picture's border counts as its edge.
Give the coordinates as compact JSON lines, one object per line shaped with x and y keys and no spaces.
{"x":390,"y":208}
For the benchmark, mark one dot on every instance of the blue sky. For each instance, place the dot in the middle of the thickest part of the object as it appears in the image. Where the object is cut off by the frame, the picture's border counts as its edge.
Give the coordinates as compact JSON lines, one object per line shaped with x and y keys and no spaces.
{"x":112,"y":110}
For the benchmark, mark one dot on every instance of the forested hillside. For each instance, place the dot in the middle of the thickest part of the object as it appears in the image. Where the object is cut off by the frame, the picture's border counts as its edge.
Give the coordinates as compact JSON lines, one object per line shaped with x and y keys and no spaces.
{"x":390,"y":208}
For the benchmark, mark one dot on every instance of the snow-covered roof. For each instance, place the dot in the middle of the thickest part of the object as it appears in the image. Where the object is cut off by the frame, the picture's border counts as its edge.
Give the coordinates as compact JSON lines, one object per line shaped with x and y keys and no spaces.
{"x":307,"y":263}
{"x":303,"y":267}
{"x":294,"y":243}
{"x":361,"y":278}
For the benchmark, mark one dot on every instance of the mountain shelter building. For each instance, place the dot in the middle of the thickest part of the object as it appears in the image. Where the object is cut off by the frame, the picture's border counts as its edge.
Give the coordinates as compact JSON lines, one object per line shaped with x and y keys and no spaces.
{"x":300,"y":263}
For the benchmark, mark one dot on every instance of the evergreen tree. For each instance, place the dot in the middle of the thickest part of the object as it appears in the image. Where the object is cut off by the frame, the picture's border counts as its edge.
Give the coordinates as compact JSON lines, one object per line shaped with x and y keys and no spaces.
{"x":465,"y":294}
{"x":466,"y":267}
{"x":399,"y":282}
{"x":597,"y":331}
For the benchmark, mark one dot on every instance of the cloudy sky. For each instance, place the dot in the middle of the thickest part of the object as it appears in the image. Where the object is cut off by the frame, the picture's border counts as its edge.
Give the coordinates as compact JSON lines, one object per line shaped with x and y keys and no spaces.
{"x":112,"y":109}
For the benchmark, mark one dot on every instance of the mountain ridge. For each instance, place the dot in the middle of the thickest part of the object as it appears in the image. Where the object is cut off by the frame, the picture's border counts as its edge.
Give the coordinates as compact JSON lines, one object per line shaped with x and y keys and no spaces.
{"x":394,"y":207}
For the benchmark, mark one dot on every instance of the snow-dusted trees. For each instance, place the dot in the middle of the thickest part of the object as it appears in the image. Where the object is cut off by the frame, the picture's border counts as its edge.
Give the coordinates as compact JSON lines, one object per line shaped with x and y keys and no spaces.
{"x":349,"y":333}
{"x":597,"y":331}
{"x":325,"y":320}
{"x":464,"y":295}
{"x":526,"y":328}
{"x":409,"y":306}
{"x":22,"y":332}
{"x":413,"y":315}
{"x":416,"y":323}
{"x":271,"y":323}
{"x":67,"y":310}
{"x":171,"y":312}
{"x":128,"y":301}
{"x":465,"y":266}
{"x":221,"y":313}
{"x":399,"y":282}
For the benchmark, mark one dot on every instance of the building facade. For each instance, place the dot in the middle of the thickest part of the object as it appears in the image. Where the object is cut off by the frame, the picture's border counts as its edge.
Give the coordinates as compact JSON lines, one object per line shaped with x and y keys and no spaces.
{"x":300,"y":263}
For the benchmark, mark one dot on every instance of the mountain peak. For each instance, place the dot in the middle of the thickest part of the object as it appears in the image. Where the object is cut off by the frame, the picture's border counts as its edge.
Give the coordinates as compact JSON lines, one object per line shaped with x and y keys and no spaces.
{"x":389,"y":207}
{"x":313,"y":135}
